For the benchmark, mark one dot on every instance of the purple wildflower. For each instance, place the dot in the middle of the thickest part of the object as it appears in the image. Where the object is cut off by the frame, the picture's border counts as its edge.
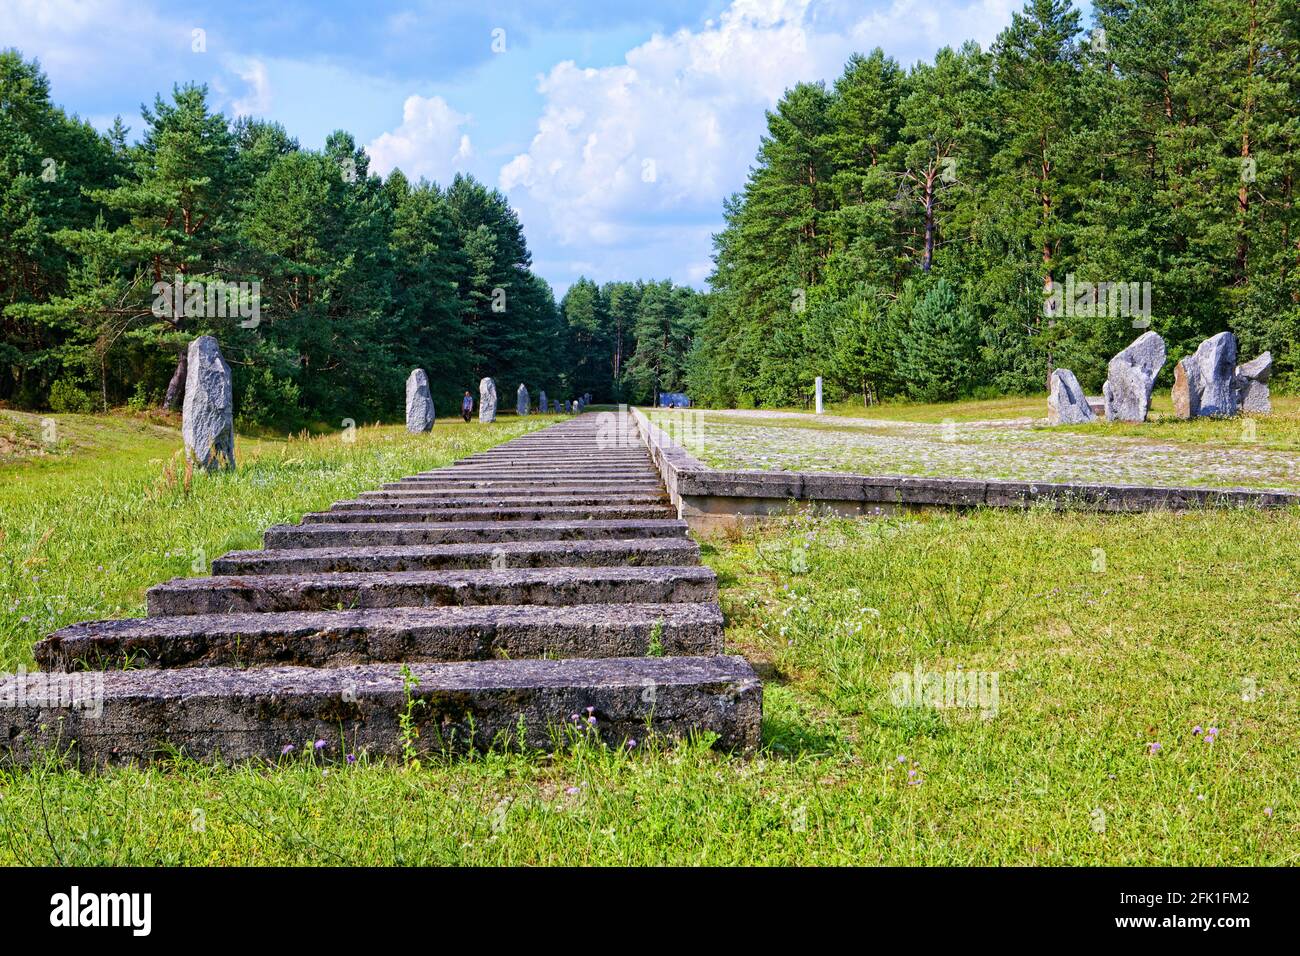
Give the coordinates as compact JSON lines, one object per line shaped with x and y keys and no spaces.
{"x":1268,"y":811}
{"x":1197,"y":730}
{"x":286,"y":750}
{"x":320,"y":745}
{"x":902,"y":759}
{"x":352,"y":758}
{"x":1154,"y":747}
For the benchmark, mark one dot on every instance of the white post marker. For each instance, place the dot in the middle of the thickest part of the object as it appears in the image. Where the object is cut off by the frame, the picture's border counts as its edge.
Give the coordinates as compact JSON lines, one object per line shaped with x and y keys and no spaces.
{"x":819,"y":395}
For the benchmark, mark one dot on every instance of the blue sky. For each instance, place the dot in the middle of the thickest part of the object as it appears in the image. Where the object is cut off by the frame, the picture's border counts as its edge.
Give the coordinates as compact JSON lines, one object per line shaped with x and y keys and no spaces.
{"x":616,"y":129}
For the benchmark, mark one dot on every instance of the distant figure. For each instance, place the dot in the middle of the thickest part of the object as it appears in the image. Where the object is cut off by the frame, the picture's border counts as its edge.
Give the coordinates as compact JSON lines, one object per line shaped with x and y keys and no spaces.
{"x":467,"y":406}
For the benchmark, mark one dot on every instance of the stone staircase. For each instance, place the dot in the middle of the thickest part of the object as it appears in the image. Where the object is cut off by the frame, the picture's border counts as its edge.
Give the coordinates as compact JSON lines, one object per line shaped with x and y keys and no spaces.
{"x":542,"y":579}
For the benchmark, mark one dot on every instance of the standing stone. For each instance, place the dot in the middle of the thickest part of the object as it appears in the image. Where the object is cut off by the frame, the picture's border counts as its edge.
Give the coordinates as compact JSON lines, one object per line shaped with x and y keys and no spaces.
{"x":419,"y":403}
{"x":568,"y":406}
{"x":1203,"y":382}
{"x":521,"y":400}
{"x":208,"y":415}
{"x":1066,"y":403}
{"x":1250,"y":385}
{"x":1130,"y":377}
{"x":817,"y":387}
{"x":487,"y":401}
{"x":541,"y":402}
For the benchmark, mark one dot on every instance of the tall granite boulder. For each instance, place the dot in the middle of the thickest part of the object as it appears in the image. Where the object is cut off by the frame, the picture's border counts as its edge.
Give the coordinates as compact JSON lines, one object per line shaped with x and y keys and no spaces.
{"x":541,"y":402}
{"x":522,"y":405}
{"x":208,"y":415}
{"x":419,"y":403}
{"x":1203,"y":382}
{"x":1250,"y":385}
{"x":1130,"y":377}
{"x":487,"y":401}
{"x":1066,"y":403}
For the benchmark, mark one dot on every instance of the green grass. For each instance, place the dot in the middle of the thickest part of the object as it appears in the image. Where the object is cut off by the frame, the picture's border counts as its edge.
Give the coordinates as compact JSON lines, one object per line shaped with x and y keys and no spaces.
{"x":87,"y":527}
{"x":1107,"y":633}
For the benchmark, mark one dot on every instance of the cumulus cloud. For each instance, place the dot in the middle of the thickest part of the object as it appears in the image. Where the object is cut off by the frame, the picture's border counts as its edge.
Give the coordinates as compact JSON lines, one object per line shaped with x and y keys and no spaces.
{"x":431,"y":142}
{"x":673,"y":129}
{"x":258,"y":100}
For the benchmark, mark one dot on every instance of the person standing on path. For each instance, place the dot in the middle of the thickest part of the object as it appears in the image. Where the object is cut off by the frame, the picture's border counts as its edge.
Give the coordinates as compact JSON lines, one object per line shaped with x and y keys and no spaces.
{"x":467,"y":406}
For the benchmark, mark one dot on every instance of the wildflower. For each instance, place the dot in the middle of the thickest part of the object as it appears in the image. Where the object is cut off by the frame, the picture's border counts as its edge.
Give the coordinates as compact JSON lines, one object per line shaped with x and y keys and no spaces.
{"x":571,"y":790}
{"x":1154,"y":747}
{"x":1197,"y":730}
{"x":320,"y":745}
{"x":352,"y":758}
{"x":631,"y":743}
{"x":574,"y":718}
{"x":902,"y":759}
{"x":1268,"y":811}
{"x":286,"y":750}
{"x":591,"y":721}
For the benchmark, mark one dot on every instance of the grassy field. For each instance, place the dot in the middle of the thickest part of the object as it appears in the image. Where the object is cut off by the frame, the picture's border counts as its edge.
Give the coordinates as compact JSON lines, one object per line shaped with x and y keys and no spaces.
{"x":1136,"y":701}
{"x":89,"y":520}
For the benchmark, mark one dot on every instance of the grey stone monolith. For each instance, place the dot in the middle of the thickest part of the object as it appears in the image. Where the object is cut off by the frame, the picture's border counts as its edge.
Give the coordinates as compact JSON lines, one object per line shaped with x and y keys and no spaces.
{"x":1250,"y":385}
{"x":419,"y":402}
{"x":1203,"y":382}
{"x":208,"y":415}
{"x":1130,"y":377}
{"x":1066,"y":403}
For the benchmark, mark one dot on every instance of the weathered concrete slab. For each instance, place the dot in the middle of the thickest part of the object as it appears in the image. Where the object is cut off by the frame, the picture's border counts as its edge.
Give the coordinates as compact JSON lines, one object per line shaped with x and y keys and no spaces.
{"x":419,"y":498}
{"x":344,"y":535}
{"x":342,"y":591}
{"x":342,"y":638}
{"x":546,"y":489}
{"x":499,"y":556}
{"x":460,"y":515}
{"x":230,"y":715}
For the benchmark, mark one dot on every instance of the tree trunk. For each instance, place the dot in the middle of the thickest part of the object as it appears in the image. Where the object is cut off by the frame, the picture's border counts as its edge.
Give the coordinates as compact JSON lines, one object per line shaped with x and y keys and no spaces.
{"x":176,"y":387}
{"x":927,"y":257}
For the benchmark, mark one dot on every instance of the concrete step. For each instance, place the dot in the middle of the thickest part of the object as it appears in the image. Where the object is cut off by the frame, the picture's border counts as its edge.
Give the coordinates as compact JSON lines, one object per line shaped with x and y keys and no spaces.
{"x":425,"y":499}
{"x":543,"y":488}
{"x":643,"y":552}
{"x":342,"y":638}
{"x":323,"y":591}
{"x":544,"y":457}
{"x":387,"y":534}
{"x":231,"y":715}
{"x":536,"y":513}
{"x":575,"y":473}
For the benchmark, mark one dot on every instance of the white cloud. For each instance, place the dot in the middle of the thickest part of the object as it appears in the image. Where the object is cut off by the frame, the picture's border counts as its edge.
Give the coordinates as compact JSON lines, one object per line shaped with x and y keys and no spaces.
{"x":674,"y":128}
{"x":258,"y":100}
{"x":431,"y":142}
